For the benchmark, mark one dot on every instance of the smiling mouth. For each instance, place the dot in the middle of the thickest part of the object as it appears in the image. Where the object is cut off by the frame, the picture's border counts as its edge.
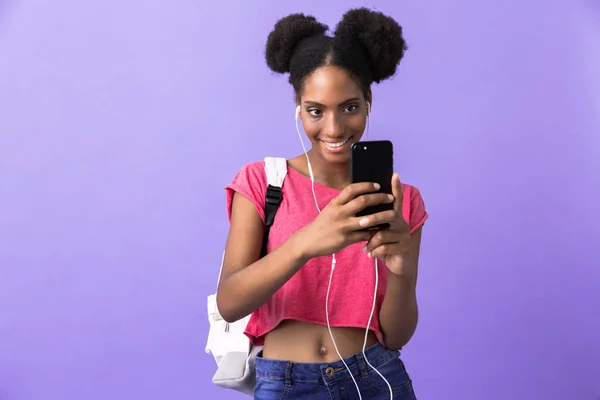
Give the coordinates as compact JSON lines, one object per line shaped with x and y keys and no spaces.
{"x":337,"y":144}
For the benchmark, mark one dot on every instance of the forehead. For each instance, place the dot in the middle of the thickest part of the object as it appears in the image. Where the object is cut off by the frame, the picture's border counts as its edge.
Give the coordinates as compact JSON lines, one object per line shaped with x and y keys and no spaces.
{"x":330,"y":85}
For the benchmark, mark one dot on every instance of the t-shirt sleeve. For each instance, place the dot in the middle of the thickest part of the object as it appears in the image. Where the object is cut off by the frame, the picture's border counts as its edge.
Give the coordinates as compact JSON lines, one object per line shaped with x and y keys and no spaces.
{"x":250,"y":182}
{"x":414,"y":208}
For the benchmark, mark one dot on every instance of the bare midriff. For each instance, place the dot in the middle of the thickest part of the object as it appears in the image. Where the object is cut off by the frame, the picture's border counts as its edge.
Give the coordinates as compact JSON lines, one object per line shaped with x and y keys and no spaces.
{"x":304,"y":342}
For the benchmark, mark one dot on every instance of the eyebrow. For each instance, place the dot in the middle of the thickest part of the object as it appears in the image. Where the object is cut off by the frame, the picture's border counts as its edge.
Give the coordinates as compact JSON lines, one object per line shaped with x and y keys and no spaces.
{"x":315,"y":103}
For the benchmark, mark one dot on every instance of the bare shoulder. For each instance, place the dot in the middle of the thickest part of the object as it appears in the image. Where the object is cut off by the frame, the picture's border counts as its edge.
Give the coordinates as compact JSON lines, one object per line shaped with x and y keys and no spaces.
{"x":299,"y":164}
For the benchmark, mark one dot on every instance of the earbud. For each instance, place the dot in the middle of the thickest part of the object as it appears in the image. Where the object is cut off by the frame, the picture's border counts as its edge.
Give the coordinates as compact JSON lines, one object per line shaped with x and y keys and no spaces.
{"x":297,"y":111}
{"x":368,"y":108}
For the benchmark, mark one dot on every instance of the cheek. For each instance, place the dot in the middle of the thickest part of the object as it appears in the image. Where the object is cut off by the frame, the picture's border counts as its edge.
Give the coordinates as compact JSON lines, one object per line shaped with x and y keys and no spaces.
{"x":357,"y":123}
{"x":353,"y":123}
{"x":311,"y":129}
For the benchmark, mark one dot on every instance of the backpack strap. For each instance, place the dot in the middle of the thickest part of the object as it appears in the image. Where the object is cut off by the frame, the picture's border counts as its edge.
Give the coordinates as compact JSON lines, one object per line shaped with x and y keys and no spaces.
{"x":276,"y":169}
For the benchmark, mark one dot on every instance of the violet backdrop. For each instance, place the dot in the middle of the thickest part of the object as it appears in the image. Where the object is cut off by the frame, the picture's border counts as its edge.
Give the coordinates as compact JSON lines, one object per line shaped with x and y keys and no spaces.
{"x":121,"y":122}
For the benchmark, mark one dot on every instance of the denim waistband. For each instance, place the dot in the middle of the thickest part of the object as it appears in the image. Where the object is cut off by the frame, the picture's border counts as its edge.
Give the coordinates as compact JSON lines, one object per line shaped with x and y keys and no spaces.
{"x":317,"y":372}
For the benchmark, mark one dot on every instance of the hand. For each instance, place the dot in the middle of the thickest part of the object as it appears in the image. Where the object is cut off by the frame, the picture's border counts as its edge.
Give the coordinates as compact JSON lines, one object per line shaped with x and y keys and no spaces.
{"x":392,"y":245}
{"x":337,"y":226}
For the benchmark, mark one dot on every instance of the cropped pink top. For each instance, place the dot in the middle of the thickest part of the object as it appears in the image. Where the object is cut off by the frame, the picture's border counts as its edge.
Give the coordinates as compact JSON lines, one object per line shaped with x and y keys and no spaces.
{"x":303,"y":296}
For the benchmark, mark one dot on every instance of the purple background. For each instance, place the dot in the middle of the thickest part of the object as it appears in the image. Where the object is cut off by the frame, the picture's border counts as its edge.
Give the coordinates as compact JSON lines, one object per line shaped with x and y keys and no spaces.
{"x":122,"y":121}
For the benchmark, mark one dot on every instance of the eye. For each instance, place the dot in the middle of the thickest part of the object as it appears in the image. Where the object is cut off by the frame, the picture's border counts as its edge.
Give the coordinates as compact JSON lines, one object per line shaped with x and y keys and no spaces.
{"x":315,"y":112}
{"x":351,"y":107}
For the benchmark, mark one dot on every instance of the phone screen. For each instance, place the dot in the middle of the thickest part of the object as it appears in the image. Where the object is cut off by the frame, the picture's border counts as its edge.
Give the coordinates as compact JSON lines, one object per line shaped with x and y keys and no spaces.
{"x":373,"y":161}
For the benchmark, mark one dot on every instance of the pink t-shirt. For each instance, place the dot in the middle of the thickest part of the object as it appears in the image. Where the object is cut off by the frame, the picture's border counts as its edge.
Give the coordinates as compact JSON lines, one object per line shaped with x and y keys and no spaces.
{"x":303,"y":296}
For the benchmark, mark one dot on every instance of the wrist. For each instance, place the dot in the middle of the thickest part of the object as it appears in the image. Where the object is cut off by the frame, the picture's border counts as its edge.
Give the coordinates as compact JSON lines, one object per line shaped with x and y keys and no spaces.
{"x":297,"y":249}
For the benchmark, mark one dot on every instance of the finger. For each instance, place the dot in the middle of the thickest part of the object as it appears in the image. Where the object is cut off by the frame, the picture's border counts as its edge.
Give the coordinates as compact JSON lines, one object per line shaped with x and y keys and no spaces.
{"x":397,"y":192}
{"x":359,"y":236}
{"x":369,"y":221}
{"x":399,"y":224}
{"x":381,"y":238}
{"x":388,"y":249}
{"x":366,"y":200}
{"x":381,"y":252}
{"x":356,"y":189}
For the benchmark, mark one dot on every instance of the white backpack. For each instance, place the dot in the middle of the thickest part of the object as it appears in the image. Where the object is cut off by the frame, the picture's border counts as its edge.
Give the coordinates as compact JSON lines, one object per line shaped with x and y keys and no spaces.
{"x":234,"y":354}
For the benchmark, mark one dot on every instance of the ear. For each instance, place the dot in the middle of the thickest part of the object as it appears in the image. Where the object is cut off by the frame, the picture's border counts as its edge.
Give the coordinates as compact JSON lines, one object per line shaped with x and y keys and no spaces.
{"x":369,"y":99}
{"x":297,"y":102}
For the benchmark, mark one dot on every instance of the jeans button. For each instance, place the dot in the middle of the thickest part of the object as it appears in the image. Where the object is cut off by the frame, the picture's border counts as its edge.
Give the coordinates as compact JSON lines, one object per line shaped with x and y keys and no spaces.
{"x":329,"y":371}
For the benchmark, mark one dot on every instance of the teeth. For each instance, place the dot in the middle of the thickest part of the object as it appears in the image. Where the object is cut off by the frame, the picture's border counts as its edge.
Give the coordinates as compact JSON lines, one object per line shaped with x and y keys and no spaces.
{"x":334,"y":145}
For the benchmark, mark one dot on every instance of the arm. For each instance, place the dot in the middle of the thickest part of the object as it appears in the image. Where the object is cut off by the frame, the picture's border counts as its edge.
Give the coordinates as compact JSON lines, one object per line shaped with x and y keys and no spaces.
{"x":399,"y":312}
{"x":399,"y":247}
{"x":247,"y":281}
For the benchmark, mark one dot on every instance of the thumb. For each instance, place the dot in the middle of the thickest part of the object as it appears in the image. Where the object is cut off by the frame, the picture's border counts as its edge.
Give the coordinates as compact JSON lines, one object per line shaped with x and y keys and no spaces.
{"x":397,"y":193}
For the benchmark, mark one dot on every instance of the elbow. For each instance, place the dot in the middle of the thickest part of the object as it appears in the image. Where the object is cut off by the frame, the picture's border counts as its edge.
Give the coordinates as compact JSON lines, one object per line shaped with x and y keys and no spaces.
{"x":224,"y":309}
{"x":230,"y":319}
{"x":227,"y":308}
{"x":397,"y":341}
{"x":227,"y":316}
{"x":395,"y":344}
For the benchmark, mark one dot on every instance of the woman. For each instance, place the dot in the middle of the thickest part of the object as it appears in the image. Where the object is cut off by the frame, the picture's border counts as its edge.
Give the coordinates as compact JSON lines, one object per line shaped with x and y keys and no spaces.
{"x":286,"y":290}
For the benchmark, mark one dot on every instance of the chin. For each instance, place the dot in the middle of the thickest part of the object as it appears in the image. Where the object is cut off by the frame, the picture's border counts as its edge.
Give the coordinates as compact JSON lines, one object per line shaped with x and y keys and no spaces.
{"x":341,"y":158}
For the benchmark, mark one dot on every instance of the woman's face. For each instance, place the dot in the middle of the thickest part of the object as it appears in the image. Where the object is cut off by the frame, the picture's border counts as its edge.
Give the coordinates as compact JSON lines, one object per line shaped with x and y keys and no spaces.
{"x":333,"y":113}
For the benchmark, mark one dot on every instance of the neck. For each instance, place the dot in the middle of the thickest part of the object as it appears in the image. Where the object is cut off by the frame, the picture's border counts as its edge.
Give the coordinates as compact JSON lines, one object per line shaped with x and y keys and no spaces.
{"x":333,"y":175}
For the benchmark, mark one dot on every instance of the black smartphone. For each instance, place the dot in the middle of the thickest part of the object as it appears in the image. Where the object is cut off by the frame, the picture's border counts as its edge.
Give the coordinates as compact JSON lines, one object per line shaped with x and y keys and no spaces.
{"x":373,"y":161}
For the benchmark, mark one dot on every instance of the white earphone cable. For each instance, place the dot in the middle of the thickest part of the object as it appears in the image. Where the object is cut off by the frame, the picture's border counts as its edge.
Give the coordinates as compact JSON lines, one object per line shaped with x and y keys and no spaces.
{"x":310,"y":171}
{"x":333,"y":263}
{"x":367,"y":332}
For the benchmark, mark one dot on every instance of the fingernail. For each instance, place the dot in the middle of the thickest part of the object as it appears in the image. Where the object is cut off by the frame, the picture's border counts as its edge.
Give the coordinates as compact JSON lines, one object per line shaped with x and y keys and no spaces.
{"x":370,"y":255}
{"x":364,"y":222}
{"x":376,"y":186}
{"x":390,"y":197}
{"x":364,"y":249}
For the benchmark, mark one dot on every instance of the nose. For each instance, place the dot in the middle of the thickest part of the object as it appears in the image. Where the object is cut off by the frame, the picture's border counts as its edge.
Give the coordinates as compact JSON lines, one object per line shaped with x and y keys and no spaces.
{"x":334,"y":126}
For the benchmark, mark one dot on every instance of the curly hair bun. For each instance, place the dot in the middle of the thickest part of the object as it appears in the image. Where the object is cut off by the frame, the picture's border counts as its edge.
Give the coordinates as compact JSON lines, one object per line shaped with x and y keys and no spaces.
{"x":286,"y":35}
{"x":380,"y":35}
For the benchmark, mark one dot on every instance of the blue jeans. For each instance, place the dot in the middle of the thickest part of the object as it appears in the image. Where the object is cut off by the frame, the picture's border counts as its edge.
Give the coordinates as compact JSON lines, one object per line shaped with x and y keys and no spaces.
{"x":277,"y":380}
